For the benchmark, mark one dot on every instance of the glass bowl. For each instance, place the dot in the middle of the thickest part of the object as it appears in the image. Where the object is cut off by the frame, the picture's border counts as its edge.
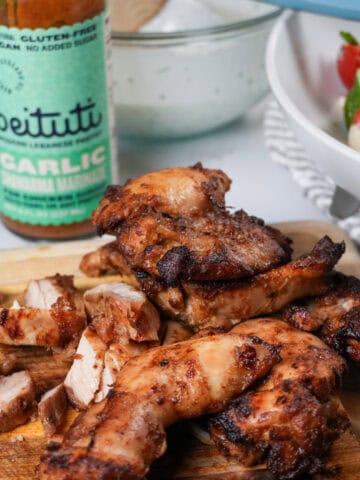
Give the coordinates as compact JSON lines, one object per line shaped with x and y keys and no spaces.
{"x":169,"y":85}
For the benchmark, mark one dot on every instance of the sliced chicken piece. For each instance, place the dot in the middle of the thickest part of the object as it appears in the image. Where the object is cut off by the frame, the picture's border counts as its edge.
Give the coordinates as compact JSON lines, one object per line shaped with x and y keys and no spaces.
{"x":84,"y":378}
{"x":334,"y":316}
{"x":53,"y":315}
{"x":46,"y":292}
{"x":39,"y":327}
{"x":46,"y":367}
{"x":106,"y":260}
{"x":226,"y":303}
{"x":190,"y":191}
{"x":52,"y":409}
{"x":123,"y":435}
{"x":120,"y":311}
{"x":175,"y":333}
{"x":17,"y":397}
{"x":115,"y":358}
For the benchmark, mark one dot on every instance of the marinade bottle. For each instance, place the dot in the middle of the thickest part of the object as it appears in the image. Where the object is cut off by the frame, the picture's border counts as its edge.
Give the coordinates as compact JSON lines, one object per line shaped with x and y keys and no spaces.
{"x":56,"y":132}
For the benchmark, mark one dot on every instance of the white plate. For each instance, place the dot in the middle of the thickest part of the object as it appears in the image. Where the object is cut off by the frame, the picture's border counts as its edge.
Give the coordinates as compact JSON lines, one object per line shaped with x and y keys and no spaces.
{"x":301,"y":67}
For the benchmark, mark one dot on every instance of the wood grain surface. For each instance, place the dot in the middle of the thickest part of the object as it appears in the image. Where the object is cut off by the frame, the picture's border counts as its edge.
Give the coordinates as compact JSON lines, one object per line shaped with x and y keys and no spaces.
{"x":186,"y":458}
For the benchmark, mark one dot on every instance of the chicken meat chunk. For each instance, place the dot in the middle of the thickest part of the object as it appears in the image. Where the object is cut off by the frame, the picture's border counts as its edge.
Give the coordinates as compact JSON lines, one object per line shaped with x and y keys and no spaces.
{"x":120,"y":311}
{"x":17,"y":399}
{"x":53,"y":315}
{"x":84,"y":377}
{"x":123,"y":325}
{"x":52,"y":409}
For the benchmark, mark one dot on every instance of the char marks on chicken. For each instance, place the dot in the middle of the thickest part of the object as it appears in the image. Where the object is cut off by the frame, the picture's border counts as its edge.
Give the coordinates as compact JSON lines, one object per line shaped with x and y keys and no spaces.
{"x":123,"y":435}
{"x":290,"y":419}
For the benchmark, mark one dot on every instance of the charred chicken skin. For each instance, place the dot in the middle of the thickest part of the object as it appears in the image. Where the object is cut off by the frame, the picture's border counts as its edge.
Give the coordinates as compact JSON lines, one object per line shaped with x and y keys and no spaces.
{"x":334,"y":316}
{"x":123,"y":435}
{"x":290,"y":420}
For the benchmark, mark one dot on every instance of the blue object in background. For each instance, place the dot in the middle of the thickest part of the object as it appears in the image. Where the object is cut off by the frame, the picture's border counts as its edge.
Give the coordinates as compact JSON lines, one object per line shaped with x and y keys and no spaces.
{"x":336,"y":8}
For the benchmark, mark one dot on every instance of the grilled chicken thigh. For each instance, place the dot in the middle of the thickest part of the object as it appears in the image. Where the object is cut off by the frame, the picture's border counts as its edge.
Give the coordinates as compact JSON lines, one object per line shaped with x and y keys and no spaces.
{"x":217,"y":246}
{"x":173,"y":225}
{"x":17,"y":397}
{"x":38,"y":327}
{"x":227,"y":303}
{"x":290,"y":419}
{"x":47,"y":368}
{"x":334,"y":316}
{"x":123,"y":435}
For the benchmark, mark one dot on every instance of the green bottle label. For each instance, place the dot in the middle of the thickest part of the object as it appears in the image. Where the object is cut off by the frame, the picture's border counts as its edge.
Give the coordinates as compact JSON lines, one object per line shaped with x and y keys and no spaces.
{"x":55,"y":127}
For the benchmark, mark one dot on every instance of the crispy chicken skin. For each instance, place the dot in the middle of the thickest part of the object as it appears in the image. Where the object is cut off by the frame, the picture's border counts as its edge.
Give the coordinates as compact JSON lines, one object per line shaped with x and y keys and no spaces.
{"x":188,"y":192}
{"x":226,"y":303}
{"x":334,"y":316}
{"x":217,"y":246}
{"x":123,"y":435}
{"x":17,"y":398}
{"x":290,"y":420}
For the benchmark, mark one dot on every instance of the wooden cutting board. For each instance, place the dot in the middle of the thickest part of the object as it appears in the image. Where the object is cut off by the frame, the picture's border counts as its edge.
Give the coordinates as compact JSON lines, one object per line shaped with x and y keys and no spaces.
{"x":186,"y":459}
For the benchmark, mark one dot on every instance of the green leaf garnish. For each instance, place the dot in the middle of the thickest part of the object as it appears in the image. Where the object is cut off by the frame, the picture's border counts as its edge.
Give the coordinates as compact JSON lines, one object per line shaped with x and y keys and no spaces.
{"x":349,"y":38}
{"x":352,"y":103}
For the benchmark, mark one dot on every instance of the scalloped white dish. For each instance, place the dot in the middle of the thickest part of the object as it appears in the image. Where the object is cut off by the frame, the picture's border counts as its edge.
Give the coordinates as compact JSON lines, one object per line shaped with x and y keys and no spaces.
{"x":301,"y":67}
